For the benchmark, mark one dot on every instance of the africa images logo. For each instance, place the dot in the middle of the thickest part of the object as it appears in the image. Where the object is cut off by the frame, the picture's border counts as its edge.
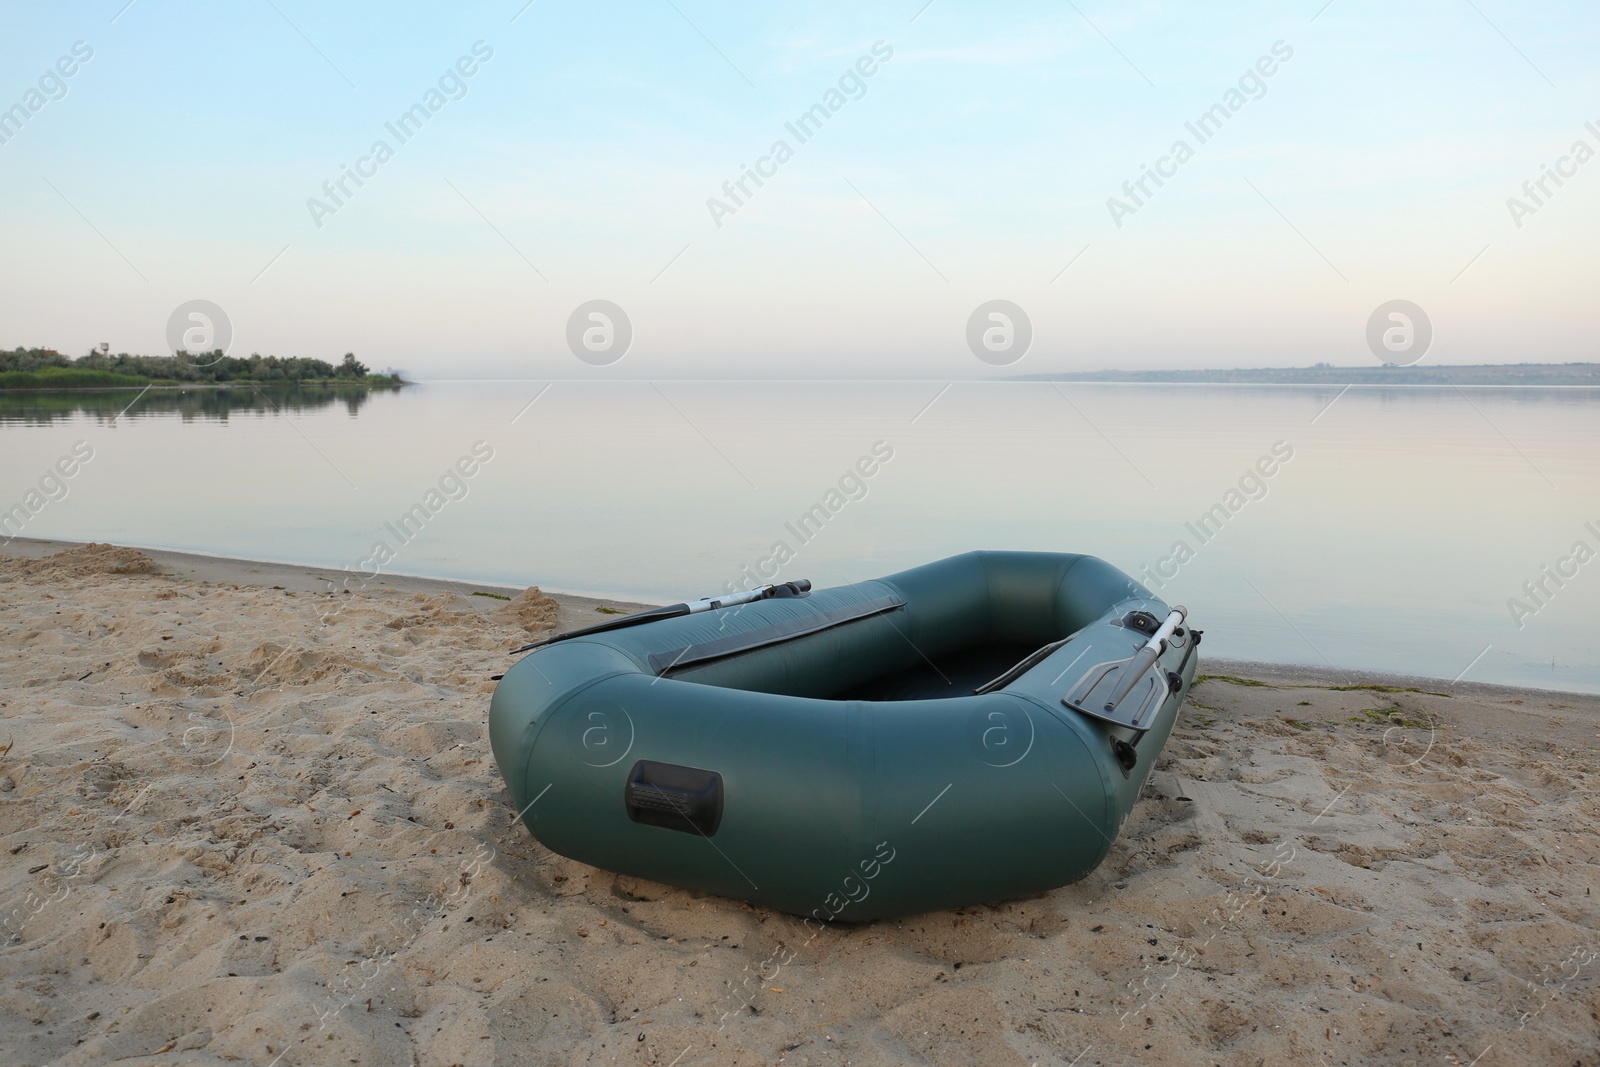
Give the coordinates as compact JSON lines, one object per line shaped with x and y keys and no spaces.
{"x":199,"y":333}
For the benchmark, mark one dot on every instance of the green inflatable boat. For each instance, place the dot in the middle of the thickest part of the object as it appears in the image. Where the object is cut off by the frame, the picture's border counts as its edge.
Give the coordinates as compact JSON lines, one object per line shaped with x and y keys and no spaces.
{"x":972,"y":730}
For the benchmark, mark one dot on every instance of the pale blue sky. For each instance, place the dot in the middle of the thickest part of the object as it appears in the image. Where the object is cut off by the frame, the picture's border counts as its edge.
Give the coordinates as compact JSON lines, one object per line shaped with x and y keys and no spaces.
{"x":978,"y":162}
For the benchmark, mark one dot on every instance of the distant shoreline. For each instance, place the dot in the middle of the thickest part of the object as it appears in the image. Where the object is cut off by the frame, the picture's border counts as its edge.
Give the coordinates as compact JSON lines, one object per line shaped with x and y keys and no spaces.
{"x":1492,"y":376}
{"x":1532,"y":375}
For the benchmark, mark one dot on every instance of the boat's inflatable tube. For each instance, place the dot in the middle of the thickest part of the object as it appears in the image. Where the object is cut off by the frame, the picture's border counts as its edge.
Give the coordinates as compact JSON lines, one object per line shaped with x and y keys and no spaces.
{"x":833,"y":755}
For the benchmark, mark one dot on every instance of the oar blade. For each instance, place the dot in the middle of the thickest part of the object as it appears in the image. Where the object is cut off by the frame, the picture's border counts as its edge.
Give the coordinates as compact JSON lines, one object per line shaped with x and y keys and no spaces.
{"x":1104,"y":684}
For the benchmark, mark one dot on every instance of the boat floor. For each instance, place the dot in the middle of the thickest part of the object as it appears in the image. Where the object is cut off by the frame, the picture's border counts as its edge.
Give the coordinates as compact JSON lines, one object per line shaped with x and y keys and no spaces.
{"x":954,"y":675}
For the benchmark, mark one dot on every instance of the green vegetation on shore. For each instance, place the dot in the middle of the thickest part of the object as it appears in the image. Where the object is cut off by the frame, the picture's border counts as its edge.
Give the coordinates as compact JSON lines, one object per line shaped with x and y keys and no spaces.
{"x":66,"y":378}
{"x":44,"y":368}
{"x":1231,"y":679}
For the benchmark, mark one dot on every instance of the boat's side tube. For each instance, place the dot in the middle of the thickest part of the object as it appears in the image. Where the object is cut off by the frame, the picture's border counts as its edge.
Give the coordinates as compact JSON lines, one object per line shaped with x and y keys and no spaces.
{"x":839,"y":810}
{"x":528,"y":694}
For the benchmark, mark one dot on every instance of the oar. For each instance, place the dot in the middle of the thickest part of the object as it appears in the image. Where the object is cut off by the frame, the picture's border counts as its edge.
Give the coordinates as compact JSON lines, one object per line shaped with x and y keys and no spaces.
{"x":799,"y":587}
{"x":1147,"y":656}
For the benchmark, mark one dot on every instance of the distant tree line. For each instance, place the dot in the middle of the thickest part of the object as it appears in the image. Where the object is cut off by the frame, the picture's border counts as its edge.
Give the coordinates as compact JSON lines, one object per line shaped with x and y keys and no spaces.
{"x":195,"y":367}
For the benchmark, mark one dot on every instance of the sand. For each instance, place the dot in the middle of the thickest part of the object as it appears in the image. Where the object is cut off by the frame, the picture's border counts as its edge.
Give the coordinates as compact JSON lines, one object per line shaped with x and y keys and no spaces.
{"x":249,"y":821}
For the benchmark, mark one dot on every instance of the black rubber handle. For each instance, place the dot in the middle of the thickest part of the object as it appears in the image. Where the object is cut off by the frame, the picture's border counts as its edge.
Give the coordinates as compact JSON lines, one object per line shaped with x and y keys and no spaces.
{"x":674,"y":797}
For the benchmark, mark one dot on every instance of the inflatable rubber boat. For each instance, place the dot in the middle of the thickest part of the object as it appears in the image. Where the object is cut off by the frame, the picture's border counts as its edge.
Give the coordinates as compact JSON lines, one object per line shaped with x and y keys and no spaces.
{"x":972,"y":730}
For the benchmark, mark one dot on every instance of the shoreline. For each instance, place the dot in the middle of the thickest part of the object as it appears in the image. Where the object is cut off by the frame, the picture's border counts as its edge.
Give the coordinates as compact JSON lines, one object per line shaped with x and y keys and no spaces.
{"x":1161,"y":383}
{"x":309,"y":578}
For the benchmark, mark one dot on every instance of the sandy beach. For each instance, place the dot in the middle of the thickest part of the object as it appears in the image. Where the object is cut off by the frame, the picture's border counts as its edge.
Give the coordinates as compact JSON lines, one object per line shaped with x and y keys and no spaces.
{"x":249,"y":820}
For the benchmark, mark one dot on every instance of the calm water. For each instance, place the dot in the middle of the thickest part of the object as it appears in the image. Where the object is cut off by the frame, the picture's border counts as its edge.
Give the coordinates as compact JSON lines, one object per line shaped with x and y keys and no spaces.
{"x":1392,"y":532}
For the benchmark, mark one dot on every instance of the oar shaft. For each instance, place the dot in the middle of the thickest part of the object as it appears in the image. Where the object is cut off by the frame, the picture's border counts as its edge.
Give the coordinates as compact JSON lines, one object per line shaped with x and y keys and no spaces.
{"x":1175,"y":619}
{"x":1147,"y":656}
{"x":672,"y":611}
{"x":731,"y":600}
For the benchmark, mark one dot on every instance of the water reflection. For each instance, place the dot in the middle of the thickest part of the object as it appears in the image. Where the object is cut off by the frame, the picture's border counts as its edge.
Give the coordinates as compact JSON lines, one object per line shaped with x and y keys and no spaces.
{"x":41,"y":407}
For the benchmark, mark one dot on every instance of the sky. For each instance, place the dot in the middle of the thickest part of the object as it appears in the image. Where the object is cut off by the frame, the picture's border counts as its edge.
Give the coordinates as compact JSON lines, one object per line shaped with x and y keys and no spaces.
{"x":1359,"y":153}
